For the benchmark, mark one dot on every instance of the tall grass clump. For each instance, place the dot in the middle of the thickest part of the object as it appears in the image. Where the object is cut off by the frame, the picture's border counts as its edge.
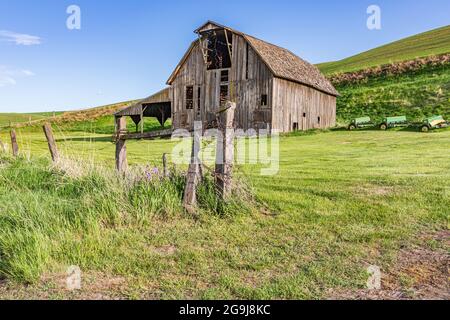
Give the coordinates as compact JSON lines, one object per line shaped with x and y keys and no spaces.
{"x":76,"y":213}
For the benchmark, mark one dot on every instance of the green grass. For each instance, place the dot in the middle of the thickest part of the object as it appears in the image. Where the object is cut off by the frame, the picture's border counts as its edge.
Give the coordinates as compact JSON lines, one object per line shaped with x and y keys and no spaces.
{"x":105,"y":125}
{"x":417,"y":95}
{"x":342,"y":200}
{"x":429,"y":43}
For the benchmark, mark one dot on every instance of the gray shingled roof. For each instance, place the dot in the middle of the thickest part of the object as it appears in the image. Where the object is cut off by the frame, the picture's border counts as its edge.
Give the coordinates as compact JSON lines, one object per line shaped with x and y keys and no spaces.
{"x":284,"y":64}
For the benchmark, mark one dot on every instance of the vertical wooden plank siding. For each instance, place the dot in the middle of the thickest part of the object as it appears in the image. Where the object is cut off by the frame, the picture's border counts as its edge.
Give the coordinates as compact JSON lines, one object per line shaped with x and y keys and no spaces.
{"x":293,"y":100}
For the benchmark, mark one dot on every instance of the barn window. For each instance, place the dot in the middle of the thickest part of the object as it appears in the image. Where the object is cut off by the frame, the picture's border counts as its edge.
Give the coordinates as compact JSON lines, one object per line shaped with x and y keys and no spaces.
{"x":224,"y":76}
{"x":223,"y":95}
{"x":189,"y":97}
{"x":199,"y":96}
{"x":217,"y":47}
{"x":264,"y":100}
{"x":318,"y":120}
{"x":304,"y":114}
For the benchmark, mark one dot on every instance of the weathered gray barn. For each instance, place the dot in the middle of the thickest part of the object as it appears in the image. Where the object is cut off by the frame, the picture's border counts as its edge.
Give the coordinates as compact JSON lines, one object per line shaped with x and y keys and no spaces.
{"x":270,"y":85}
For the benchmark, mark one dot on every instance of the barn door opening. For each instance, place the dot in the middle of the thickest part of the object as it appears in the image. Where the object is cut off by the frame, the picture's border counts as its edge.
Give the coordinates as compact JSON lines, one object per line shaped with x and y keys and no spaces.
{"x":304,"y":123}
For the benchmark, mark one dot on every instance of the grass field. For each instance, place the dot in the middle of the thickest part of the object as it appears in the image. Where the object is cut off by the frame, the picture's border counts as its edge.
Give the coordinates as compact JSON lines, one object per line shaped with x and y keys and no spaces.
{"x":433,"y":42}
{"x":341,"y":202}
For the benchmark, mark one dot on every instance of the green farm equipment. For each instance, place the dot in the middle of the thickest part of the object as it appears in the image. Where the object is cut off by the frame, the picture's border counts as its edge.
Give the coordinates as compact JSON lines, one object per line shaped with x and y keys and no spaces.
{"x":359,"y":123}
{"x":392,"y":122}
{"x":434,"y":122}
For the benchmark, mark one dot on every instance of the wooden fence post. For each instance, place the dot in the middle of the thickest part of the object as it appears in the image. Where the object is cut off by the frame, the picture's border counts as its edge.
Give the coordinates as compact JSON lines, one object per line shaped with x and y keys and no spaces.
{"x":193,"y":175}
{"x":2,"y":146}
{"x":165,"y":170}
{"x":15,"y":147}
{"x":121,"y":148}
{"x":51,"y":142}
{"x":225,"y":150}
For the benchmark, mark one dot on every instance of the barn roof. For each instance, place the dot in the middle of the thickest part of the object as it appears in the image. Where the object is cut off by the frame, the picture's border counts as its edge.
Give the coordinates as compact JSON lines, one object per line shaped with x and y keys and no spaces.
{"x":282,"y":62}
{"x":162,"y":96}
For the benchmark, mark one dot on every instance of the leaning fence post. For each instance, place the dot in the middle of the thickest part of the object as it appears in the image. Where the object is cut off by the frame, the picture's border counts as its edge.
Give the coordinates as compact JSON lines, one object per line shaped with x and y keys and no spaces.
{"x":193,"y":175}
{"x":51,"y":142}
{"x":225,"y":150}
{"x":15,"y":147}
{"x":121,"y":148}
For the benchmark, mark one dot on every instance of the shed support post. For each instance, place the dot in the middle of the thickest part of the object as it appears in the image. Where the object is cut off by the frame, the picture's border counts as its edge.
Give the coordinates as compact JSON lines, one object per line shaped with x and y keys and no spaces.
{"x":142,"y":121}
{"x":14,"y":145}
{"x":193,"y":175}
{"x":121,"y":148}
{"x":51,"y":142}
{"x":225,"y":150}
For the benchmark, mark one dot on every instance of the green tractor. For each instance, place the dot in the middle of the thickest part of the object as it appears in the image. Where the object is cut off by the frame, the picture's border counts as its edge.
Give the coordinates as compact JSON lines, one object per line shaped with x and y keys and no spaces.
{"x":434,"y":122}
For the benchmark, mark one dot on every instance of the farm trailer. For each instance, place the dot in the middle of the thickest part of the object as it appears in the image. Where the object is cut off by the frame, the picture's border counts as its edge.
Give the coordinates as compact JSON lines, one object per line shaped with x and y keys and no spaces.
{"x":359,"y":123}
{"x":434,"y":122}
{"x":392,"y":122}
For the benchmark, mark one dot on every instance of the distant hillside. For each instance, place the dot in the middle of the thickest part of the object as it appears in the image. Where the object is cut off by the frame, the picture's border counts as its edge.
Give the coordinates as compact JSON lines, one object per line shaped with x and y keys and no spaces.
{"x":433,"y":42}
{"x":7,"y":118}
{"x":86,"y":115}
{"x":416,"y":94}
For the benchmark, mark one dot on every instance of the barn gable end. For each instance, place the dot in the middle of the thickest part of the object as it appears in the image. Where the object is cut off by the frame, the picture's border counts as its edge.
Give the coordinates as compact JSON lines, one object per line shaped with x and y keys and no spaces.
{"x":271,"y":86}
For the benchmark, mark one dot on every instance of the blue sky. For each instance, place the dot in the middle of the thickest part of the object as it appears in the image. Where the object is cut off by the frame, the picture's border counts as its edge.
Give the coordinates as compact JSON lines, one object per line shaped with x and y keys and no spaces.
{"x":127,"y":49}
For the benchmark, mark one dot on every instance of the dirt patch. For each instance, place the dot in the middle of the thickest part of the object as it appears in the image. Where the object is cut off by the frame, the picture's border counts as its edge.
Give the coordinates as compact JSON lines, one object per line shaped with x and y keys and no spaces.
{"x":167,"y":250}
{"x":94,"y":286}
{"x":374,"y":190}
{"x":420,"y":272}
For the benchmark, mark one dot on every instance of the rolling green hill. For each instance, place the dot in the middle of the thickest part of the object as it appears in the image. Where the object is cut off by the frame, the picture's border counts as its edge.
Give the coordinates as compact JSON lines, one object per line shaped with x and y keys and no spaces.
{"x":425,"y":44}
{"x":418,"y":94}
{"x":6,"y":118}
{"x":78,"y":118}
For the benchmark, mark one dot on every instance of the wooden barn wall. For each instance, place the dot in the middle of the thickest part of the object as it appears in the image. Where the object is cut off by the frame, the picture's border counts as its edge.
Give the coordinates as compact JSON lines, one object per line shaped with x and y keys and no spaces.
{"x":292,"y":100}
{"x":245,"y":92}
{"x":191,"y":74}
{"x":248,"y":92}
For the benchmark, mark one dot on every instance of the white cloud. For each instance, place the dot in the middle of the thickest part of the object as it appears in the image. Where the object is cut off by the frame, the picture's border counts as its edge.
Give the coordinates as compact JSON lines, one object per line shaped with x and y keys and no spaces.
{"x":8,"y":75}
{"x":28,"y":73}
{"x":19,"y":38}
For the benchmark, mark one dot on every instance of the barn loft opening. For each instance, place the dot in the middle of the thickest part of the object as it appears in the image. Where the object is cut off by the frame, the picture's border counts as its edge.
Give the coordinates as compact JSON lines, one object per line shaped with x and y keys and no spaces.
{"x":217,"y":48}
